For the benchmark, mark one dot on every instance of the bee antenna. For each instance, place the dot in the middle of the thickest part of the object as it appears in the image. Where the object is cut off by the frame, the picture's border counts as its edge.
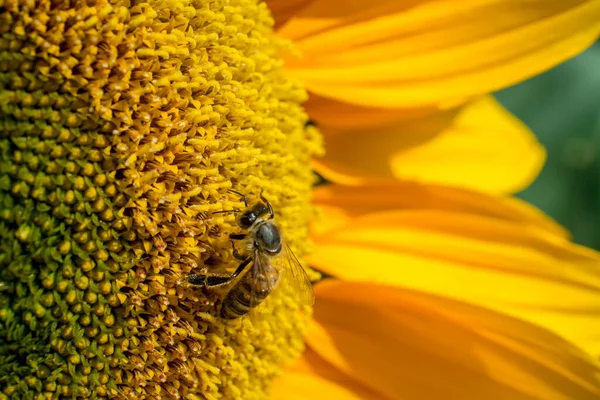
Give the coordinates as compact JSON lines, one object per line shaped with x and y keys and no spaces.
{"x":271,"y":213}
{"x":241,"y":195}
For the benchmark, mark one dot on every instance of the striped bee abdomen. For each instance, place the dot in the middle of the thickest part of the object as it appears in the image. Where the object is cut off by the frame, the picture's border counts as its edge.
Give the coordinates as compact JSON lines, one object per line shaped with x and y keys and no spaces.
{"x":249,"y":292}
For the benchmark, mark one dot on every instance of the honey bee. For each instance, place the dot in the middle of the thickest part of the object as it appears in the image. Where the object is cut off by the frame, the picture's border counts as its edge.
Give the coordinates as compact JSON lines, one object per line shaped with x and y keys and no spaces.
{"x":267,"y":263}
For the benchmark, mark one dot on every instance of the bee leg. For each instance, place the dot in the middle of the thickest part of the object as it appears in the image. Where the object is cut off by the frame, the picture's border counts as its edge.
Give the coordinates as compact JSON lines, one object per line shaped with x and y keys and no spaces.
{"x":236,"y":253}
{"x":235,"y":210}
{"x":214,"y":281}
{"x":207,"y":281}
{"x":241,"y":195}
{"x":241,"y":267}
{"x":268,"y":204}
{"x":196,"y":279}
{"x":237,"y":236}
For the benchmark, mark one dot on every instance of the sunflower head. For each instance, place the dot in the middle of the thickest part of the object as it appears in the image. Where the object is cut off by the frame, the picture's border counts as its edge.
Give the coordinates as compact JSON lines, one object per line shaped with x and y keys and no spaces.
{"x":122,"y":127}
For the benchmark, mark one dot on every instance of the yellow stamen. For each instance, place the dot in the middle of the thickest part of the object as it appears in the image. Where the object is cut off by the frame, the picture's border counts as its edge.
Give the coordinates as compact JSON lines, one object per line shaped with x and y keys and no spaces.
{"x":122,"y":127}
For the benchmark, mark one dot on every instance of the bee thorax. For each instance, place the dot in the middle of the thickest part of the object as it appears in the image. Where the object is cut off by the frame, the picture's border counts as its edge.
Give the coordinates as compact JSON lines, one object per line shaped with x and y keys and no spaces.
{"x":268,"y":237}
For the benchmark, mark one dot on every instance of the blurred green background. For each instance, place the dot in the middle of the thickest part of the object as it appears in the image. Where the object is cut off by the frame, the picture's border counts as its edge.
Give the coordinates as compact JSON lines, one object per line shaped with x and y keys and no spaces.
{"x":562,"y":107}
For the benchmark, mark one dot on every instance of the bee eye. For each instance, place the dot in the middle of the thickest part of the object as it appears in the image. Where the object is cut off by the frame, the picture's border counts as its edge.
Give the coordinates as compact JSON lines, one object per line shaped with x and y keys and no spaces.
{"x":246,"y":220}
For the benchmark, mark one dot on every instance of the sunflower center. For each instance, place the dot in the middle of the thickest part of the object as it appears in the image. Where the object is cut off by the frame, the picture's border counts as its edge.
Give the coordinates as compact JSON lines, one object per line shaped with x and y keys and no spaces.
{"x":122,"y":127}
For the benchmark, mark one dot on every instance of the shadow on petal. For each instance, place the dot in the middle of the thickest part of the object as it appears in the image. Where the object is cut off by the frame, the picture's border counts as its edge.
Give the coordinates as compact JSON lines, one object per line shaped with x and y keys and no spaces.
{"x":410,"y":345}
{"x":480,"y":146}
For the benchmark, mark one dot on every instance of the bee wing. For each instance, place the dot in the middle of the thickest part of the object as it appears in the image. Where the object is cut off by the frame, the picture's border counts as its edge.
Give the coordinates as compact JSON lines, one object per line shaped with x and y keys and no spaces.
{"x":293,"y":281}
{"x":262,"y":282}
{"x":294,"y":278}
{"x":262,"y":285}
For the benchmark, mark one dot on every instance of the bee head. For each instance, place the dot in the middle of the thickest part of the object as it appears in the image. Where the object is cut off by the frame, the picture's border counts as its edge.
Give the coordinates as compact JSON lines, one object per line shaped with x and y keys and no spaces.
{"x":249,"y":217}
{"x":246,"y":219}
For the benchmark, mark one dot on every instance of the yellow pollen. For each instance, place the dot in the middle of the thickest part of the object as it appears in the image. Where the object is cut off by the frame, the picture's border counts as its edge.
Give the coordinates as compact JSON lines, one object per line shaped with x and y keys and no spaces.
{"x":122,"y":127}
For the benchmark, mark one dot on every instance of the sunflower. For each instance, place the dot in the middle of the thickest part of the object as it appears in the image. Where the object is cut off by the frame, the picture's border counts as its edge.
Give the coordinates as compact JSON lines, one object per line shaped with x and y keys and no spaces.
{"x":123,"y":128}
{"x":125,"y":125}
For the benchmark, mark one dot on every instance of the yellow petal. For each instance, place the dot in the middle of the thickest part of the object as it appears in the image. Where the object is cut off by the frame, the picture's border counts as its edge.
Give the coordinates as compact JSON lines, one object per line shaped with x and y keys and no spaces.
{"x":483,"y":147}
{"x":283,"y":10}
{"x":409,"y":345}
{"x":334,"y":117}
{"x":393,"y":53}
{"x":342,"y":204}
{"x":508,"y":266}
{"x":297,"y":386}
{"x":312,"y":378}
